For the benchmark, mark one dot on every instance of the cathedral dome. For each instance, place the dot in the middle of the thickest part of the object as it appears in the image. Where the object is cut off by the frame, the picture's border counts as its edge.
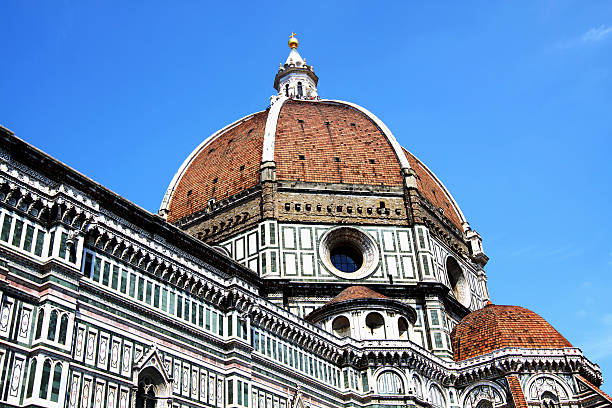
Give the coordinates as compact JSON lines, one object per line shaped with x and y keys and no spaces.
{"x":315,"y":141}
{"x":496,"y":327}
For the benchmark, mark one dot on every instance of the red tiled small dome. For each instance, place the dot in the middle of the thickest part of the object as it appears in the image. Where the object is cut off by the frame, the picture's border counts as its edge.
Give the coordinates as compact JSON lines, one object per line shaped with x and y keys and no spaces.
{"x":496,"y":327}
{"x":319,"y":141}
{"x":360,"y":297}
{"x":356,"y":292}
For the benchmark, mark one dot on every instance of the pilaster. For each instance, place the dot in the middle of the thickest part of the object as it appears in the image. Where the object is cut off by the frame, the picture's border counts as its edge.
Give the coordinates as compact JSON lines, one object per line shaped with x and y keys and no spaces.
{"x":269,"y":187}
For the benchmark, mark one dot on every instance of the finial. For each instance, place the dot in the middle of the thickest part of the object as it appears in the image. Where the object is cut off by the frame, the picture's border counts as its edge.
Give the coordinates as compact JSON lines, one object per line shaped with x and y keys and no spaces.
{"x":293,"y":42}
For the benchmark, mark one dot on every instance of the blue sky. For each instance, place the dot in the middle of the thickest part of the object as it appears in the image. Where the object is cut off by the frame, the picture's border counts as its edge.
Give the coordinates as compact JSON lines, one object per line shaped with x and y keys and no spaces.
{"x":509,"y":103}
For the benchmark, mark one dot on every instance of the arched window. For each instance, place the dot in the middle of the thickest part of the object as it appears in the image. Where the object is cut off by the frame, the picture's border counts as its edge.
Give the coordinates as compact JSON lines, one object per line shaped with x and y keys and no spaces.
{"x":55,"y":385}
{"x":44,"y":381}
{"x":31,"y":377}
{"x":341,"y":326}
{"x":151,"y":386}
{"x":436,"y":398}
{"x":457,"y":280}
{"x":402,"y":328}
{"x":63,"y":329}
{"x":548,"y":390}
{"x":376,"y":325}
{"x":300,"y":90}
{"x":389,"y":382}
{"x":52,"y":325}
{"x":287,"y":90}
{"x":549,"y":400}
{"x":39,"y":323}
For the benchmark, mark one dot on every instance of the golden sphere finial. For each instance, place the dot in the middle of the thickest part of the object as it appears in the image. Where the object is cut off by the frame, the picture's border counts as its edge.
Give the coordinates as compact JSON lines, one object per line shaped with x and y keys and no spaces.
{"x":293,"y":42}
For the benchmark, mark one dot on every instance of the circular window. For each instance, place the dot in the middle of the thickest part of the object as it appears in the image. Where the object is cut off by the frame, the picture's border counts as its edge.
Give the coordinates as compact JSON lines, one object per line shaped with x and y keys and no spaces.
{"x":222,"y":250}
{"x":346,"y":258}
{"x":348,"y":253}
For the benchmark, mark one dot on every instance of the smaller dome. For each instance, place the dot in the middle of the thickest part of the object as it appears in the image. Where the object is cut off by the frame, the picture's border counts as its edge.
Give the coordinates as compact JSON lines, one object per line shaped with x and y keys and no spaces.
{"x":364,"y":314}
{"x":361,"y":298}
{"x":496,"y":327}
{"x":356,"y":292}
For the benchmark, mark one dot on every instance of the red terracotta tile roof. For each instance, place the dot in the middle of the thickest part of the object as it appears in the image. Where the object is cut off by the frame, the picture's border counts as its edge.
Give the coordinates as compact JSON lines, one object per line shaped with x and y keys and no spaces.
{"x":516,"y":390}
{"x":321,"y":142}
{"x":496,"y":326}
{"x":431,"y":189}
{"x":217,"y":171}
{"x":356,"y":292}
{"x":336,"y":142}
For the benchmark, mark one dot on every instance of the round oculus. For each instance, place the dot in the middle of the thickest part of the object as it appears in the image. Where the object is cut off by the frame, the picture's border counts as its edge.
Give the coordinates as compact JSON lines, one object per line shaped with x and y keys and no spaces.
{"x":348,"y":253}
